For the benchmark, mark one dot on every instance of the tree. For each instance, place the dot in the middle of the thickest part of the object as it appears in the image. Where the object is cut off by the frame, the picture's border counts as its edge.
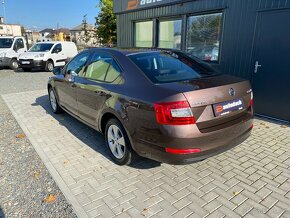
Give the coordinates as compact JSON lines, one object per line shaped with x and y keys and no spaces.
{"x":106,"y":23}
{"x":85,"y":29}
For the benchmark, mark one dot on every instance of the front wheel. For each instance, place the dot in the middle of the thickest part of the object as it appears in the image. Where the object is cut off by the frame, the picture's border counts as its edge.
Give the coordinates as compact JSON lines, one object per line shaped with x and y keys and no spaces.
{"x":118,"y":143}
{"x":14,"y":64}
{"x":53,"y":102}
{"x":49,"y":66}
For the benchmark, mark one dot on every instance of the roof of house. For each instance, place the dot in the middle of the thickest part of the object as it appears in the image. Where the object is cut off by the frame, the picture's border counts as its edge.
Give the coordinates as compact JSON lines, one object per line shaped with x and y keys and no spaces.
{"x":81,"y":27}
{"x":46,"y":30}
{"x":63,"y":30}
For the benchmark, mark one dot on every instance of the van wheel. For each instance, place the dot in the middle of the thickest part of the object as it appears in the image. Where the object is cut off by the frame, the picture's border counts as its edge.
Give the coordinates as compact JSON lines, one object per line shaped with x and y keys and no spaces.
{"x":14,"y":64}
{"x":118,"y":143}
{"x":49,"y":66}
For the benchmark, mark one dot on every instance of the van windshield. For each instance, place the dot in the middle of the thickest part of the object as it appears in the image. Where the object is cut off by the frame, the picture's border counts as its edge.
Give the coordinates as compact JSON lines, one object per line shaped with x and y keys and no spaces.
{"x":43,"y":47}
{"x":6,"y":42}
{"x":170,"y":66}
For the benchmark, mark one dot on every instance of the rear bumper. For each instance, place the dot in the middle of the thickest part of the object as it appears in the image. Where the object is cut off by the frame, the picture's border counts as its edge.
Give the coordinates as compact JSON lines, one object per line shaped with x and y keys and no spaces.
{"x":210,"y":144}
{"x":32,"y":63}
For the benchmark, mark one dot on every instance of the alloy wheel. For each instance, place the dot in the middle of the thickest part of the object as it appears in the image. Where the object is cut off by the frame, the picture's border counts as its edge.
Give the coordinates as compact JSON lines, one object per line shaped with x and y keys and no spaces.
{"x":116,"y":141}
{"x":50,"y":66}
{"x":52,"y":98}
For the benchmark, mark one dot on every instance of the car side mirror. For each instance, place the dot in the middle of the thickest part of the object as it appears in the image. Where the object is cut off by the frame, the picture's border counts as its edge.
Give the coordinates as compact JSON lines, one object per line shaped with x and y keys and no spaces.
{"x":57,"y":71}
{"x":71,"y":72}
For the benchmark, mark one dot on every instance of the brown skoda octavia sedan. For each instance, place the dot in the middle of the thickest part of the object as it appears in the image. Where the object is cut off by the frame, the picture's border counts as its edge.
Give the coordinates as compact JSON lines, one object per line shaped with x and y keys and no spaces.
{"x":162,"y":104}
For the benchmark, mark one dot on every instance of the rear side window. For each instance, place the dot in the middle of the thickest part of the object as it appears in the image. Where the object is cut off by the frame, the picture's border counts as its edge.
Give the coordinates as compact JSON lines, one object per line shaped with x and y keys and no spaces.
{"x":169,"y":66}
{"x":103,"y":68}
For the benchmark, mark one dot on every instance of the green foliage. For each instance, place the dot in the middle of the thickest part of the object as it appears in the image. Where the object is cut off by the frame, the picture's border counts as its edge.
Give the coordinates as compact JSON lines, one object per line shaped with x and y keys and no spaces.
{"x":87,"y":35}
{"x":106,"y":23}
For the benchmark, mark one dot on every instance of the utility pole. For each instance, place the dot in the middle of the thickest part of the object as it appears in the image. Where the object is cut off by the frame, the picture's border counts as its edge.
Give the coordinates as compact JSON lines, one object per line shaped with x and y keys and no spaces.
{"x":4,"y":15}
{"x":4,"y":11}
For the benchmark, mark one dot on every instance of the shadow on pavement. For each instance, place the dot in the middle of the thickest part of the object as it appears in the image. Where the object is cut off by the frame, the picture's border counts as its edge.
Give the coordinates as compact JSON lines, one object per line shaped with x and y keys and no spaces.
{"x":88,"y":135}
{"x":1,"y":213}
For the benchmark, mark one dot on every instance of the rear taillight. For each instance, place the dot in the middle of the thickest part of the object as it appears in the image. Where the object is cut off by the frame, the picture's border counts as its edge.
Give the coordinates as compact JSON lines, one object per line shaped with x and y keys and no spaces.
{"x":174,"y":113}
{"x":252,"y":99}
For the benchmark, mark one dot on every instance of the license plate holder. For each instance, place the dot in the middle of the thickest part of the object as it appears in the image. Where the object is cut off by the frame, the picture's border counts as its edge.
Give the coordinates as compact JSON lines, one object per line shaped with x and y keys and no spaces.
{"x":227,"y":107}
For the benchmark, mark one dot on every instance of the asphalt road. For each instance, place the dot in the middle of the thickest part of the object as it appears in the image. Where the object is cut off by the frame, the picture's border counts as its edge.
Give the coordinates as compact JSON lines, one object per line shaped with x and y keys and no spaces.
{"x":27,"y":189}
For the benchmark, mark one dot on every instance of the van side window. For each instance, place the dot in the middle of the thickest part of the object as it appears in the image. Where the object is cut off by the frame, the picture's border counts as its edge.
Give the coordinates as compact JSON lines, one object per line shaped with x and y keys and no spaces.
{"x":19,"y":44}
{"x":57,"y":48}
{"x":103,"y":68}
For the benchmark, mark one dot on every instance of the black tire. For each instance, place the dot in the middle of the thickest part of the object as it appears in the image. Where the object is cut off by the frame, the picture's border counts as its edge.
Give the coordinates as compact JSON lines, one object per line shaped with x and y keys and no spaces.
{"x":55,"y":109}
{"x":14,"y":64}
{"x":49,"y":66}
{"x":26,"y":69}
{"x":129,"y":153}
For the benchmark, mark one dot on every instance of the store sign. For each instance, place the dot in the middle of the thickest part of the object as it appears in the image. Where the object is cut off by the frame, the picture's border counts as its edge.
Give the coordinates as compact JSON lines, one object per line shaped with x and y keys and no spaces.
{"x":127,"y":5}
{"x":136,"y":4}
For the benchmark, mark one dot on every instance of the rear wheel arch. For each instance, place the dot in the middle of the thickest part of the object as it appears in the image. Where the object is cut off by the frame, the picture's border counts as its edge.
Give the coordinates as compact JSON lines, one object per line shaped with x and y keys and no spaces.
{"x":111,"y":115}
{"x":105,"y":118}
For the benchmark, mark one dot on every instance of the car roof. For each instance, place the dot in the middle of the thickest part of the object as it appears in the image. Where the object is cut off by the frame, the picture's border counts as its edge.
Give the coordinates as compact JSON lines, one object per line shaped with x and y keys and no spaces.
{"x":131,"y":51}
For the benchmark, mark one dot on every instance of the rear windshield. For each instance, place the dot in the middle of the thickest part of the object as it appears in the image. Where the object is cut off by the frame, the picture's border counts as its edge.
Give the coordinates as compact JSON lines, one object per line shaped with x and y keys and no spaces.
{"x":42,"y":47}
{"x":169,"y":66}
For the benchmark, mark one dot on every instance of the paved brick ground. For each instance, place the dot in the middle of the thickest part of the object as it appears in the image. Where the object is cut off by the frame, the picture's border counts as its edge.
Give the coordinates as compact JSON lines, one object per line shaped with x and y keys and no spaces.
{"x":252,"y":180}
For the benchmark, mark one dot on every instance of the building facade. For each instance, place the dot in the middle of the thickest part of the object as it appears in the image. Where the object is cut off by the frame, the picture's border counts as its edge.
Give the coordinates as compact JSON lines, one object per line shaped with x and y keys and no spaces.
{"x":245,"y":38}
{"x":10,"y":30}
{"x":79,"y":37}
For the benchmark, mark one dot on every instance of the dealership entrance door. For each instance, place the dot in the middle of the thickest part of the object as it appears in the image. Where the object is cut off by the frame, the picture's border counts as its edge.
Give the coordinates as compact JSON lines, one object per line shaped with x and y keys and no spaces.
{"x":271,"y":80}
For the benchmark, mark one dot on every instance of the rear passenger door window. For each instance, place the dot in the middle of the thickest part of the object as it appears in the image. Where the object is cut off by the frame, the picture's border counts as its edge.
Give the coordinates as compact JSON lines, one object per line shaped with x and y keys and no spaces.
{"x":102,"y":67}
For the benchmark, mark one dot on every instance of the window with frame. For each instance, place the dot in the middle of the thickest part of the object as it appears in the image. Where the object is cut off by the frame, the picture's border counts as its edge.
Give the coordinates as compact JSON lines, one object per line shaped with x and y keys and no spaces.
{"x":19,"y":44}
{"x":144,"y":34}
{"x":203,"y":36}
{"x":102,"y":68}
{"x":170,"y":34}
{"x":78,"y":64}
{"x":57,"y":47}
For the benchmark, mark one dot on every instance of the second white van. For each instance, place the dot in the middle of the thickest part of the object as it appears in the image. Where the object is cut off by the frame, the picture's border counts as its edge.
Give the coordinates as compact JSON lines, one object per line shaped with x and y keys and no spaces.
{"x":47,"y":55}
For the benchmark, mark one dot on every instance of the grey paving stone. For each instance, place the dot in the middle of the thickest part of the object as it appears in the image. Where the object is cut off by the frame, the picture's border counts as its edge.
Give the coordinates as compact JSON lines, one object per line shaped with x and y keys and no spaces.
{"x":249,"y":180}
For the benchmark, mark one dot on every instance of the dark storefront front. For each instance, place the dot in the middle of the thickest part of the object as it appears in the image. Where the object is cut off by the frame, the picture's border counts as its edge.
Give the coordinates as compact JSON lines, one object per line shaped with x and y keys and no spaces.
{"x":245,"y":38}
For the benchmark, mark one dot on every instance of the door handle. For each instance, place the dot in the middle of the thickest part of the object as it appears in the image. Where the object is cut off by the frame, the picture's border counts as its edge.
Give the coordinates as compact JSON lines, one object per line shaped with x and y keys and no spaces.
{"x":257,"y":65}
{"x":103,"y":94}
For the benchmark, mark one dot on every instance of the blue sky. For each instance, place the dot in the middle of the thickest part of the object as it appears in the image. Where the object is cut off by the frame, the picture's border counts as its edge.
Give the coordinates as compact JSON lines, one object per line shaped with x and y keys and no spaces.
{"x":40,"y":14}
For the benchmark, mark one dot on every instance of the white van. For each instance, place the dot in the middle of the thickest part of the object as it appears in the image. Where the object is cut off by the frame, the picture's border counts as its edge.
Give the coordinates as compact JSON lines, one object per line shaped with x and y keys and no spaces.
{"x":10,"y":48}
{"x":47,"y":55}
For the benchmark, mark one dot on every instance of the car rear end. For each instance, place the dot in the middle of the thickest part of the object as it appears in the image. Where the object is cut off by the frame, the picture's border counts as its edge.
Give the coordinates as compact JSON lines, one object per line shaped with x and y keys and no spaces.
{"x":213,"y":116}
